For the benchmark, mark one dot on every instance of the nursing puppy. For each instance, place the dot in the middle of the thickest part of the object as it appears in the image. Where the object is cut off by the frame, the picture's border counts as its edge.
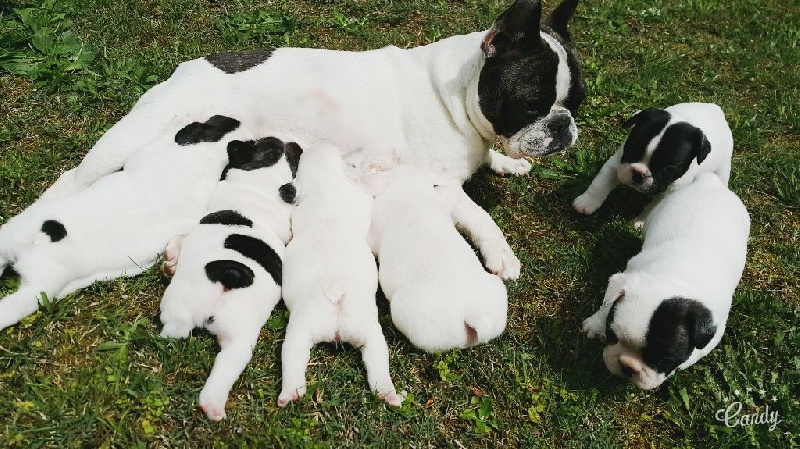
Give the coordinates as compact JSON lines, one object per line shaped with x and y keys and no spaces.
{"x":670,"y":305}
{"x":440,"y":106}
{"x":119,"y":225}
{"x":330,"y":277}
{"x":439,"y":293}
{"x":228,"y":268}
{"x":666,"y":149}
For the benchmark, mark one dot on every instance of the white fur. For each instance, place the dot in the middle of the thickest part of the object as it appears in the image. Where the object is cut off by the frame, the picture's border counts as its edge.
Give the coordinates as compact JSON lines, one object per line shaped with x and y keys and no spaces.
{"x":116,"y":227}
{"x":240,"y":313}
{"x":330,"y":276}
{"x":706,"y":116}
{"x":695,"y":246}
{"x":441,"y":297}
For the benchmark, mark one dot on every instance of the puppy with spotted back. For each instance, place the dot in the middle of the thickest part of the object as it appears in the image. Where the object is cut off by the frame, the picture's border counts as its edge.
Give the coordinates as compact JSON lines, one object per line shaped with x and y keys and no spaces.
{"x":330,"y":277}
{"x":669,"y":307}
{"x":439,"y":293}
{"x":228,"y":269}
{"x":666,"y":149}
{"x":440,"y":107}
{"x":119,"y":225}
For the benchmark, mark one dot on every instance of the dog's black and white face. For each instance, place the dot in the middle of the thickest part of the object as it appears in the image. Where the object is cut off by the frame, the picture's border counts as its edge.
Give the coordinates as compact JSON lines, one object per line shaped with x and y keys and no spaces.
{"x":659,"y":150}
{"x":647,"y":347}
{"x":531,"y":86}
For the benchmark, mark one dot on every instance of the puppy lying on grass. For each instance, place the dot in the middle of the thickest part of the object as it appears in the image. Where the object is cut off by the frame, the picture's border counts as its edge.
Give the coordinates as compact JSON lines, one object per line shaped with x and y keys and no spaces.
{"x":118,"y":225}
{"x":228,"y":269}
{"x":440,"y":295}
{"x":670,"y":305}
{"x":330,"y":277}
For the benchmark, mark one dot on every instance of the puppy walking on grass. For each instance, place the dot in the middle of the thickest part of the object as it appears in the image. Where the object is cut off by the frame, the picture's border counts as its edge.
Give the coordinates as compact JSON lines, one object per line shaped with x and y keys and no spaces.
{"x":330,"y":276}
{"x":228,"y":268}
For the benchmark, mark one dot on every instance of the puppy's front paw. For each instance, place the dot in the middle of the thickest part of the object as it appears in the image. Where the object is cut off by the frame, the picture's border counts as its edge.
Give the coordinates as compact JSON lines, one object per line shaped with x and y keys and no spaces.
{"x":586,"y":204}
{"x":214,"y":411}
{"x":510,"y":166}
{"x":290,"y":395}
{"x":175,"y":330}
{"x":501,"y":261}
{"x":638,"y":222}
{"x":594,"y":327}
{"x":393,"y":398}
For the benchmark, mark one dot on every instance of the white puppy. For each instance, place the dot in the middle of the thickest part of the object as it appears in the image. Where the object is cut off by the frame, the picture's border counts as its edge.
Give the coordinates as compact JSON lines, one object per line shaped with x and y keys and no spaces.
{"x":330,"y":277}
{"x":119,"y":225}
{"x":440,"y":296}
{"x":228,"y":268}
{"x":669,"y":308}
{"x":666,"y":149}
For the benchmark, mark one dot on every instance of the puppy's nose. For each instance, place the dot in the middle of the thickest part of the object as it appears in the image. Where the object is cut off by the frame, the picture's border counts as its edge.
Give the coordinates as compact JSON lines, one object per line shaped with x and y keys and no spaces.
{"x":637,"y":177}
{"x":629,"y":366}
{"x":626,"y":371}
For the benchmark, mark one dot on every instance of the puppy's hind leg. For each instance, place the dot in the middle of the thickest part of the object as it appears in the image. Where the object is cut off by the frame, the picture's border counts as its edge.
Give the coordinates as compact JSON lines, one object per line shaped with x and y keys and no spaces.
{"x":171,"y":254}
{"x":234,"y":355}
{"x":375,"y":354}
{"x":47,"y":280}
{"x":294,"y":360}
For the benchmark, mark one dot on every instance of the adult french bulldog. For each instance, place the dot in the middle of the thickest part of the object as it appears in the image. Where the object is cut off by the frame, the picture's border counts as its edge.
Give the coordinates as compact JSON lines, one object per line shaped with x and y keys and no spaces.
{"x":666,"y":148}
{"x":670,"y":305}
{"x":439,"y":107}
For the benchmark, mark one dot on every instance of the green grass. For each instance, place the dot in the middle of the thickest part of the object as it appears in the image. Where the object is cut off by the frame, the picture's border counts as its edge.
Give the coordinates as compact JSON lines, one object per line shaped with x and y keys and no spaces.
{"x":90,"y":370}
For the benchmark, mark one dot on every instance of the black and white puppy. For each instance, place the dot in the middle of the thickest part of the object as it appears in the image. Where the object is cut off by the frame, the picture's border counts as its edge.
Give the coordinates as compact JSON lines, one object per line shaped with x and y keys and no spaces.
{"x":439,"y":107}
{"x":666,"y":149}
{"x":119,"y":225}
{"x":228,"y":269}
{"x":670,"y":305}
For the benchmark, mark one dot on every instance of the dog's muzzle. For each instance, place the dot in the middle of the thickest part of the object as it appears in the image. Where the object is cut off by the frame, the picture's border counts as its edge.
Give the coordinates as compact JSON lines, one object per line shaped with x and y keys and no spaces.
{"x":548,"y":135}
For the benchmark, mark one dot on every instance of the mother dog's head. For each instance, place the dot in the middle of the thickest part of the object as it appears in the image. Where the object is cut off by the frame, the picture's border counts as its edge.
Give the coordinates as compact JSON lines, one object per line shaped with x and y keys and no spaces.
{"x":531,"y":86}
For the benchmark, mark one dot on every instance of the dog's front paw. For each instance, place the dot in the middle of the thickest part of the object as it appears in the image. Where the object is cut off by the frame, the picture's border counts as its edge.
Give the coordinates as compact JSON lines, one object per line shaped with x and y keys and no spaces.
{"x":594,"y":327}
{"x":393,"y":398}
{"x":638,"y":222}
{"x":586,"y":204}
{"x":213,"y":407}
{"x":517,"y":167}
{"x":290,"y":395}
{"x":175,"y":330}
{"x":501,"y":261}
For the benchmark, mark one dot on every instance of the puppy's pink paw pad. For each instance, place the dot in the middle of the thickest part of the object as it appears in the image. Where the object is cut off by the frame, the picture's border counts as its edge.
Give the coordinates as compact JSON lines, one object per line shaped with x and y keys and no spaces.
{"x":214,"y":412}
{"x":585,"y":204}
{"x":393,"y":398}
{"x":290,"y":396}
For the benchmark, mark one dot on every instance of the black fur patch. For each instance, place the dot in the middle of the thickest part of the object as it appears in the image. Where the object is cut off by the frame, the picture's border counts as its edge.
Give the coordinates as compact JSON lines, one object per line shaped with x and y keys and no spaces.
{"x":288,"y":193}
{"x":230,"y":273}
{"x":212,"y":130}
{"x":239,"y":61}
{"x":209,"y":320}
{"x":228,"y":218}
{"x":647,"y":125}
{"x":677,"y":327}
{"x":54,"y":229}
{"x":293,"y":153}
{"x":678,"y":147}
{"x":259,"y":251}
{"x":253,"y":154}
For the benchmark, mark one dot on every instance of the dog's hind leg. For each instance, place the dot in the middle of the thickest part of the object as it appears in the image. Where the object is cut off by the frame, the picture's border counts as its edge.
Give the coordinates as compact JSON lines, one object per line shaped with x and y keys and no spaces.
{"x":375,"y":354}
{"x":234,"y":355}
{"x":295,"y":353}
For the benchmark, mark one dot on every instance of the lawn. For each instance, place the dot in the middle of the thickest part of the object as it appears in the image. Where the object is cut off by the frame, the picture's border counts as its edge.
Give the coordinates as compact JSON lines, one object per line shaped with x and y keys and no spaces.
{"x":91,"y":371}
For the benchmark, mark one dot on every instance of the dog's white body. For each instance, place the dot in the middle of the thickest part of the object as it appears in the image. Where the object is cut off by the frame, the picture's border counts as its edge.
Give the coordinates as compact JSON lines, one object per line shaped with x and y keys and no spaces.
{"x":440,"y":295}
{"x":694,"y":247}
{"x":330,"y":276}
{"x":116,"y":227}
{"x":236,"y":315}
{"x":706,"y":116}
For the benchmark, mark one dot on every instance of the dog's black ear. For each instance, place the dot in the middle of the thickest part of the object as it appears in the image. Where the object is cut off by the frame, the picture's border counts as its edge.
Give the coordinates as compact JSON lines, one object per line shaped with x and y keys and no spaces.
{"x":516,"y":31}
{"x":700,"y":324}
{"x":701,"y":146}
{"x":293,"y":153}
{"x":558,"y":19}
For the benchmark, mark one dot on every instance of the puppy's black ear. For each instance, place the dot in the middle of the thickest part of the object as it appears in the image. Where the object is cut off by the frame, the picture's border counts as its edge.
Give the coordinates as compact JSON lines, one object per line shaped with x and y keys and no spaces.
{"x":700,"y":324}
{"x":558,"y":19}
{"x":293,"y":152}
{"x":701,"y":146}
{"x":516,"y":31}
{"x":637,"y":117}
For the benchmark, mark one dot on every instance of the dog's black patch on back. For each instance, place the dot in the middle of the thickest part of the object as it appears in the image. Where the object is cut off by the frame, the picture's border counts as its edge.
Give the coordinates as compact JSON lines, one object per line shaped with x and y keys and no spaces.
{"x":54,"y":229}
{"x":259,"y":251}
{"x":230,"y":273}
{"x":228,"y":218}
{"x":647,"y":125}
{"x":678,"y":147}
{"x":677,"y":327}
{"x":293,"y":153}
{"x":288,"y":193}
{"x":212,"y":130}
{"x":238,"y":61}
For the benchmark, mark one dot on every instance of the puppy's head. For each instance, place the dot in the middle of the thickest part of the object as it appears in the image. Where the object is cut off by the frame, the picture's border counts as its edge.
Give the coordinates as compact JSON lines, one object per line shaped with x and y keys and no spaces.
{"x":659,"y":149}
{"x":261,"y":153}
{"x":647,"y":339}
{"x":531,"y":85}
